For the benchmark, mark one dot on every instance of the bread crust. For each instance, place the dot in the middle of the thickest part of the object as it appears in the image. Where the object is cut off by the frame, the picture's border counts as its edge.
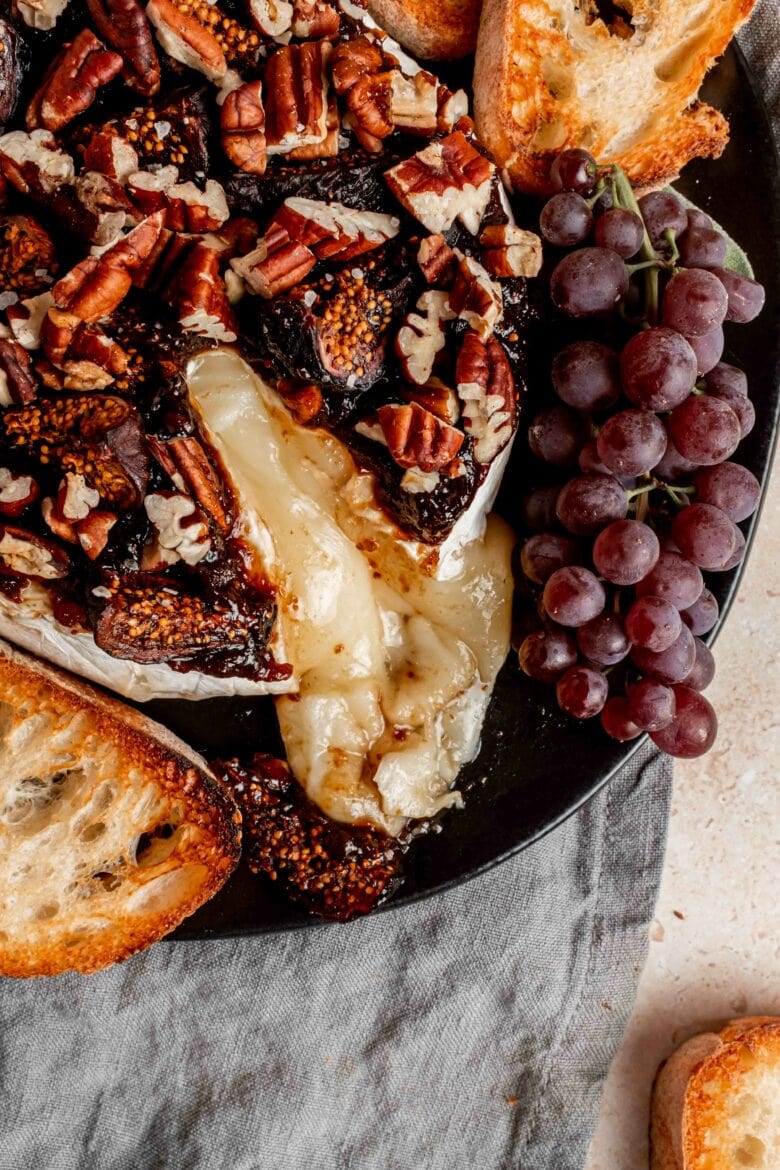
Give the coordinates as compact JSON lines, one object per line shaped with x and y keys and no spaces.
{"x":150,"y":759}
{"x":545,"y":80}
{"x":442,"y":31}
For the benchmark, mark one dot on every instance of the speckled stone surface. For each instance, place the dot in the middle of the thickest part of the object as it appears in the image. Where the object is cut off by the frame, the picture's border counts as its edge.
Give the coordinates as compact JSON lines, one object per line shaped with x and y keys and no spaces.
{"x":715,"y":941}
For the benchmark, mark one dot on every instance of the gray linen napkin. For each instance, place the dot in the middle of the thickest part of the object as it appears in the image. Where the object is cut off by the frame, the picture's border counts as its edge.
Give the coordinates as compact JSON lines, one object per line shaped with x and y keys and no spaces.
{"x":469,"y":1032}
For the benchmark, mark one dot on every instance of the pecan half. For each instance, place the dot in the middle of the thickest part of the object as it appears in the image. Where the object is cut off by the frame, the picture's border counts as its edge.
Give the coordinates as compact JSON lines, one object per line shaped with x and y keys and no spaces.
{"x":243,"y":128}
{"x":448,"y":180}
{"x":123,"y":25}
{"x":296,"y":96}
{"x":314,"y":18}
{"x":508,"y":250}
{"x":332,"y":230}
{"x":190,"y":469}
{"x":97,"y":285}
{"x":182,"y":533}
{"x":28,"y":260}
{"x":421,"y":337}
{"x":71,"y":84}
{"x":437,"y":261}
{"x":276,"y":264}
{"x":17,"y":492}
{"x":17,"y":381}
{"x":417,"y":438}
{"x":187,"y":40}
{"x":272,"y":17}
{"x":98,"y":436}
{"x":41,"y":14}
{"x":474,"y":297}
{"x":329,"y":147}
{"x":33,"y":163}
{"x":23,"y":554}
{"x":353,"y":59}
{"x":199,"y":298}
{"x":486,"y":387}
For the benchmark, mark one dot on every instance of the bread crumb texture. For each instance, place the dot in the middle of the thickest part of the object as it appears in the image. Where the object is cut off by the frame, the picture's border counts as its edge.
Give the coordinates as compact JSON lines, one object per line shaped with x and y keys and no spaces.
{"x":108,"y":838}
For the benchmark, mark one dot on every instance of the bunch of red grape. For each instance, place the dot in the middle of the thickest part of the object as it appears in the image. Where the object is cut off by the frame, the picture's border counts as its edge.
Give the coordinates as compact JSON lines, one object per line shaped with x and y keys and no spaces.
{"x":646,"y":432}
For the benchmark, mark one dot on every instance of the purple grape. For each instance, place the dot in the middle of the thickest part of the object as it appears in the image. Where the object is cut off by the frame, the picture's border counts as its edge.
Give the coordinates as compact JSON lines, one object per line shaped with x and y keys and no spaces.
{"x":537,"y":507}
{"x":658,"y":369}
{"x":741,"y":405}
{"x":582,"y":692}
{"x":625,"y":551}
{"x":631,"y":442}
{"x":671,"y":665}
{"x":730,"y":487}
{"x":703,"y":614}
{"x":546,"y":654}
{"x":589,"y":502}
{"x":708,"y":349}
{"x":698,"y":219}
{"x":672,"y":466}
{"x":745,"y":298}
{"x":692,"y":731}
{"x":573,"y":596}
{"x":545,"y":552}
{"x":574,"y":170}
{"x":566,"y":220}
{"x":556,"y":435}
{"x":586,"y":375}
{"x":617,"y":722}
{"x":674,"y":579}
{"x":705,"y":535}
{"x":662,"y":212}
{"x":703,"y":670}
{"x":653,"y":624}
{"x":694,"y":302}
{"x":651,"y":704}
{"x":589,"y":282}
{"x":738,"y":553}
{"x":725,"y":378}
{"x":701,"y":248}
{"x":704,"y":430}
{"x":621,"y":231}
{"x":603,"y":639}
{"x":589,"y":461}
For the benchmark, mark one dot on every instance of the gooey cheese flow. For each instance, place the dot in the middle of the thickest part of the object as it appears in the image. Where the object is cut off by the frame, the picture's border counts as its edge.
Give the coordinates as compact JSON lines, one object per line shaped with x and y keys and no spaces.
{"x":395,"y":666}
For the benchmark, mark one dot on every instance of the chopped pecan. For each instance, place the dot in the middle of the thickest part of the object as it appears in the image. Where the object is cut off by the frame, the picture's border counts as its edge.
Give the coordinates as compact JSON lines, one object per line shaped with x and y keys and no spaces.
{"x":98,"y":436}
{"x":104,"y":207}
{"x":71,"y":84}
{"x":123,"y":26}
{"x":272,"y":17}
{"x":436,"y":397}
{"x":54,"y":520}
{"x":186,"y":207}
{"x":448,"y":180}
{"x":190,"y":469}
{"x":152,"y":618}
{"x":199,"y":298}
{"x":33,"y":163}
{"x":108,"y":153}
{"x":329,"y":147}
{"x":335,"y":871}
{"x":243,"y":128}
{"x":413,"y":102}
{"x":184,"y":38}
{"x":28,"y":260}
{"x":41,"y":14}
{"x":417,"y":438}
{"x":93,"y":532}
{"x":421,"y":337}
{"x":97,"y":285}
{"x":88,"y":359}
{"x":508,"y":250}
{"x":182,"y":533}
{"x":302,"y":399}
{"x":451,"y":107}
{"x":76,"y":499}
{"x":474,"y":297}
{"x":314,"y":18}
{"x":296,"y":97}
{"x":17,"y":492}
{"x":17,"y":381}
{"x":437,"y":261}
{"x":486,"y":387}
{"x":353,"y":59}
{"x":276,"y":264}
{"x":237,"y":237}
{"x":23,"y":554}
{"x":26,"y":319}
{"x":332,"y":230}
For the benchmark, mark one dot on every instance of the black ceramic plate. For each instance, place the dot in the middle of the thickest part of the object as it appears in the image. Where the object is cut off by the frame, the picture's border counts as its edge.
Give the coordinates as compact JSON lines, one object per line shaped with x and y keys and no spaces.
{"x":536,"y":766}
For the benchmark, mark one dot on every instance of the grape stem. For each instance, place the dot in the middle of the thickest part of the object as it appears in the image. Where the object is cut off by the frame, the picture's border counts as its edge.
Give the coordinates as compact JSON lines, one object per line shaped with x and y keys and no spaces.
{"x":649,"y":258}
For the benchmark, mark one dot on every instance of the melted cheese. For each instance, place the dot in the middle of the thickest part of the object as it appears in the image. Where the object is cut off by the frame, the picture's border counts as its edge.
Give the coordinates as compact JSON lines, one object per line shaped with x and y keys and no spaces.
{"x":395,"y":666}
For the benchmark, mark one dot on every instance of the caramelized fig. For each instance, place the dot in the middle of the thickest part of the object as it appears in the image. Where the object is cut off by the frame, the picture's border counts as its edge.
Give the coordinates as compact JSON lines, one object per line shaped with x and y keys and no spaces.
{"x":336,"y":871}
{"x":99,"y":436}
{"x":27,"y":256}
{"x":11,"y":70}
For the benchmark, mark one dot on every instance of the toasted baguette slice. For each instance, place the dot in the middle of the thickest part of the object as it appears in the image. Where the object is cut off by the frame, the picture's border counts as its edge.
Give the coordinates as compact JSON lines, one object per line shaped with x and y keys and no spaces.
{"x":716,"y":1101}
{"x":111,"y":830}
{"x":438,"y":32}
{"x":546,"y":79}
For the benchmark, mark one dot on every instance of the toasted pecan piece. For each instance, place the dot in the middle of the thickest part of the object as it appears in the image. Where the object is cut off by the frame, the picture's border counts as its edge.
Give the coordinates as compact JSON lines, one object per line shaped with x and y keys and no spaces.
{"x":72,"y":81}
{"x":124,"y":26}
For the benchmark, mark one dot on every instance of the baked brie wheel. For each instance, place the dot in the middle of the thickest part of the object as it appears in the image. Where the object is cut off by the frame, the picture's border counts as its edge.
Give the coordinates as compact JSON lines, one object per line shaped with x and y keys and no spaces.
{"x":264,"y":324}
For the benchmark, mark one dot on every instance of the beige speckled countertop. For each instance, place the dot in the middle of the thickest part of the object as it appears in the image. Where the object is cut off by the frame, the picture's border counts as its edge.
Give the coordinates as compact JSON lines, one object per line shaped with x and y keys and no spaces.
{"x":715,"y":941}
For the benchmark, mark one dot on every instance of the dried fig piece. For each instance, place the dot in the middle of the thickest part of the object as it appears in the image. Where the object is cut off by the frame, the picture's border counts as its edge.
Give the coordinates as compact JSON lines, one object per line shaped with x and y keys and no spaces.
{"x":203,"y":36}
{"x":10,"y":70}
{"x":149,"y":618}
{"x":336,"y":871}
{"x":98,"y":436}
{"x":174,"y":132}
